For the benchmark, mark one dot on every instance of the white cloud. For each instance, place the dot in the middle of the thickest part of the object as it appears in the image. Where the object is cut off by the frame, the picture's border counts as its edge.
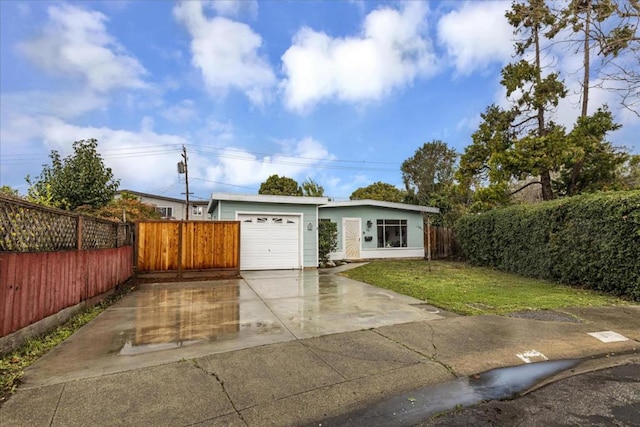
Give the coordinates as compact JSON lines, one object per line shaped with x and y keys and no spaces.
{"x":234,"y":8}
{"x":122,"y":150}
{"x":240,"y":167}
{"x":181,"y":112}
{"x":476,"y":35}
{"x":391,"y":51}
{"x":226,"y":52}
{"x":75,"y":42}
{"x":469,"y":123}
{"x":60,"y":104}
{"x":145,"y":159}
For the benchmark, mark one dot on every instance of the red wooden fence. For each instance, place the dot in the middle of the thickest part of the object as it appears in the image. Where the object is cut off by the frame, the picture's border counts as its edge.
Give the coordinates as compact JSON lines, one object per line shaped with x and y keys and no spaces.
{"x":38,"y":284}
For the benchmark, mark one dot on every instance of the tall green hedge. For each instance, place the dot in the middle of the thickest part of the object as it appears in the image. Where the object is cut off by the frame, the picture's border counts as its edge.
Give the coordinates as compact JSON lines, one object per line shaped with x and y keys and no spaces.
{"x":591,"y":240}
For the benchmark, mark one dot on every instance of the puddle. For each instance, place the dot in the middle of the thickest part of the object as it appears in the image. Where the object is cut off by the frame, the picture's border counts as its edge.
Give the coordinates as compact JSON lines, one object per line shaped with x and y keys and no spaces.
{"x":129,"y":349}
{"x":411,"y":408}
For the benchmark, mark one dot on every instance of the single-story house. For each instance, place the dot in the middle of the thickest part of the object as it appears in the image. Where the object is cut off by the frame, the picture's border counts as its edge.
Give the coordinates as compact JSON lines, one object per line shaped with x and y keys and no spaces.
{"x":171,"y":208}
{"x":370,"y":229}
{"x":281,"y":232}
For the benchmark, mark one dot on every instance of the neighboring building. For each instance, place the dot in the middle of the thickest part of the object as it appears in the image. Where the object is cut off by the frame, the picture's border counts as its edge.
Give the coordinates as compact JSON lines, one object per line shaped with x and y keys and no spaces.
{"x":171,"y":208}
{"x":281,"y":232}
{"x":370,"y":229}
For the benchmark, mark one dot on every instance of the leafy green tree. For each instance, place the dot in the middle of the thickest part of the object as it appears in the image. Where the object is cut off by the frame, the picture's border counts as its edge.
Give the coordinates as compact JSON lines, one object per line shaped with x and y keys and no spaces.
{"x":77,"y":180}
{"x":608,"y":29}
{"x":428,"y":177}
{"x":593,"y":164}
{"x":327,"y":239}
{"x":594,"y":22}
{"x":280,"y":186}
{"x":126,"y":207}
{"x":379,"y":191}
{"x":630,"y":173}
{"x":534,"y":92}
{"x":7,"y":190}
{"x":429,"y":171}
{"x":310,"y":188}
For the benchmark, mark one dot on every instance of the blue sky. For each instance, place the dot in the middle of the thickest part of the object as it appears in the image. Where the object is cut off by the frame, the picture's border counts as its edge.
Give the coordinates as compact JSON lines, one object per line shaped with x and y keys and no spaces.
{"x":339,"y":91}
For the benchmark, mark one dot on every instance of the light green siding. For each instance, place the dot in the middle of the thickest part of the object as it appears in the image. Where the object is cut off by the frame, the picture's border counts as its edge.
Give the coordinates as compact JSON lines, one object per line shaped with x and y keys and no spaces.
{"x":228,"y":210}
{"x":415,"y":230}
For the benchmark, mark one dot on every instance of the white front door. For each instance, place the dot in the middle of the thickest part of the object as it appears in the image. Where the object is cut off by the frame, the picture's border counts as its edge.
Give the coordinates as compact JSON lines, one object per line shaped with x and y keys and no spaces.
{"x":352,"y":236}
{"x":269,"y":242}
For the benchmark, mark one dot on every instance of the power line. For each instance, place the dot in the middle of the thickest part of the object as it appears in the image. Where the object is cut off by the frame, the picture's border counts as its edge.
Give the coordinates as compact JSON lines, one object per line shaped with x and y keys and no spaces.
{"x":115,"y":153}
{"x":226,"y":184}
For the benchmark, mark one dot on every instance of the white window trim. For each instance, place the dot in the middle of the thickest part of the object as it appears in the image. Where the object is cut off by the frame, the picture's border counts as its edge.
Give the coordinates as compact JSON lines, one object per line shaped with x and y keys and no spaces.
{"x":406,"y":225}
{"x":158,"y":208}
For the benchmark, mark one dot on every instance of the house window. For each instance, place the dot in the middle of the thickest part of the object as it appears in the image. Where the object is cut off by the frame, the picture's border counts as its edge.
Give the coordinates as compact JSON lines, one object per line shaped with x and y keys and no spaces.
{"x":197,"y":210}
{"x":165,"y":211}
{"x":392,"y":233}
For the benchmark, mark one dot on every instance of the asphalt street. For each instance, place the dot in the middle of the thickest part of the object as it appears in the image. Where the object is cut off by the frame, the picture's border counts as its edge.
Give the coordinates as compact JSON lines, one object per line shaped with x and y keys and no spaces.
{"x":608,"y":397}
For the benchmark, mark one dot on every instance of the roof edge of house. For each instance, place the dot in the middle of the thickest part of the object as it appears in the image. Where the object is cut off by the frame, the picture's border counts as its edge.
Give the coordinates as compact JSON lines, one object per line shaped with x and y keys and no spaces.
{"x":267,"y":198}
{"x":378,"y":203}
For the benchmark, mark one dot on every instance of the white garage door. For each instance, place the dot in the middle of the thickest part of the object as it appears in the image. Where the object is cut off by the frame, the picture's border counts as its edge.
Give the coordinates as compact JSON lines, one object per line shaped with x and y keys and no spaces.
{"x":269,"y":242}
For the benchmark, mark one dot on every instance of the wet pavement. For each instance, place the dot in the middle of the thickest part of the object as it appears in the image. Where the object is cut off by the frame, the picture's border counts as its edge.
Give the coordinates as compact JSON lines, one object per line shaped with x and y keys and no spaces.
{"x":292,"y":348}
{"x":409,"y":409}
{"x":160,"y":323}
{"x":607,"y":397}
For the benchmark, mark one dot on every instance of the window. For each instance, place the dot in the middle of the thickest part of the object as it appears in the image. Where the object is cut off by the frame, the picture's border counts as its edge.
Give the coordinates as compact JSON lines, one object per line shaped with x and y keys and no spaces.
{"x":197,"y":210}
{"x":392,"y":233}
{"x":277,"y":220}
{"x":165,"y":211}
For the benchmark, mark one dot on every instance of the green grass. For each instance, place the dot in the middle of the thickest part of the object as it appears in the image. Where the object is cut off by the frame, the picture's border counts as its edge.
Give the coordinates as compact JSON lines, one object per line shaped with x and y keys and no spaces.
{"x":13,"y":364}
{"x":466,"y":289}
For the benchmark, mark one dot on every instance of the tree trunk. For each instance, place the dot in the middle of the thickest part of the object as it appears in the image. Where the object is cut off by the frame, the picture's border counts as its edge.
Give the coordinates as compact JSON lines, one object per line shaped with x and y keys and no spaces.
{"x":586,"y":59}
{"x":547,"y":190}
{"x":577,"y":167}
{"x":545,"y":176}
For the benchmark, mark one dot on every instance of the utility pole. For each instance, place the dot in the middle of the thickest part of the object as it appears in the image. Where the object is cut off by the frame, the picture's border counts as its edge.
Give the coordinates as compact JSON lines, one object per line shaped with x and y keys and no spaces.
{"x":183,"y":169}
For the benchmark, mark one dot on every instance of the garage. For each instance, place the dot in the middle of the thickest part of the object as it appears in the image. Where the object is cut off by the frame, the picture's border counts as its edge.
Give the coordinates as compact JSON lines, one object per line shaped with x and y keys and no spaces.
{"x":270,"y":242}
{"x":276,"y":232}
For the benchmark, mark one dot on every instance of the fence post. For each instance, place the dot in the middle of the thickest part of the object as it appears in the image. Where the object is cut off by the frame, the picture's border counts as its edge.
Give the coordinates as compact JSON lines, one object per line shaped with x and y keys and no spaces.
{"x":429,"y":241}
{"x":79,"y":232}
{"x":180,"y":226}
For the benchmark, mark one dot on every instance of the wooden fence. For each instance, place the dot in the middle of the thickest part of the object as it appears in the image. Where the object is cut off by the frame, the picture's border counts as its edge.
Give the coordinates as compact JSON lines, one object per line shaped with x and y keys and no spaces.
{"x":36,"y":285}
{"x":178,"y":247}
{"x":52,"y":259}
{"x":443,"y":242}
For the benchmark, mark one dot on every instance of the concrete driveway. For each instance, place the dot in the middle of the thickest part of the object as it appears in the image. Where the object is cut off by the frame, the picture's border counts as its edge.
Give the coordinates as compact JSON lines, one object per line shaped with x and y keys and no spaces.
{"x":162,"y":323}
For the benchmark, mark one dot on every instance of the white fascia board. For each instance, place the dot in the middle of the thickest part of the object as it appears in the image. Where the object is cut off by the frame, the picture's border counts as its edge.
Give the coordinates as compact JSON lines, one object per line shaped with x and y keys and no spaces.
{"x":211,"y":206}
{"x":264,"y":198}
{"x":392,"y":205}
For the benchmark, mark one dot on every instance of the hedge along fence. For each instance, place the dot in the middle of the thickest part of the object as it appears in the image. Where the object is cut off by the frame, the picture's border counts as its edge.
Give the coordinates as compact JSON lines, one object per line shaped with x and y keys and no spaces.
{"x":591,"y":241}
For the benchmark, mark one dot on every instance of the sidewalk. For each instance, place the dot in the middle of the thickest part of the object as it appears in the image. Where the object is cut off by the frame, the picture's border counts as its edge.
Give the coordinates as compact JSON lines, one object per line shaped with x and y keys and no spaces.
{"x":306,"y":381}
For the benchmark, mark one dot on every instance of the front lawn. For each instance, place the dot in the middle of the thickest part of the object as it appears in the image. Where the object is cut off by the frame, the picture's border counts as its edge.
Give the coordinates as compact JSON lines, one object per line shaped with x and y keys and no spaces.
{"x":466,"y":289}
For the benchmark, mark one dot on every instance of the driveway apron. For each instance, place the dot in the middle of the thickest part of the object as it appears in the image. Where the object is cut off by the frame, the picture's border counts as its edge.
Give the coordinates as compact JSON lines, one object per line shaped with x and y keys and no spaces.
{"x":162,"y":323}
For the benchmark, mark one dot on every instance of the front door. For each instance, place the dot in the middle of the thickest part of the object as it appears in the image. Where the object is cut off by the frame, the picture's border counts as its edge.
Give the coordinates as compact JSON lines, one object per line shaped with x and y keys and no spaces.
{"x":352,"y":236}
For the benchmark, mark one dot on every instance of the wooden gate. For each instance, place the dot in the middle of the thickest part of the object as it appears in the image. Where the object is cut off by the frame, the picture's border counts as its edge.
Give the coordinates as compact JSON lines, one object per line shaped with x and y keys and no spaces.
{"x":182,"y":248}
{"x":443,"y":242}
